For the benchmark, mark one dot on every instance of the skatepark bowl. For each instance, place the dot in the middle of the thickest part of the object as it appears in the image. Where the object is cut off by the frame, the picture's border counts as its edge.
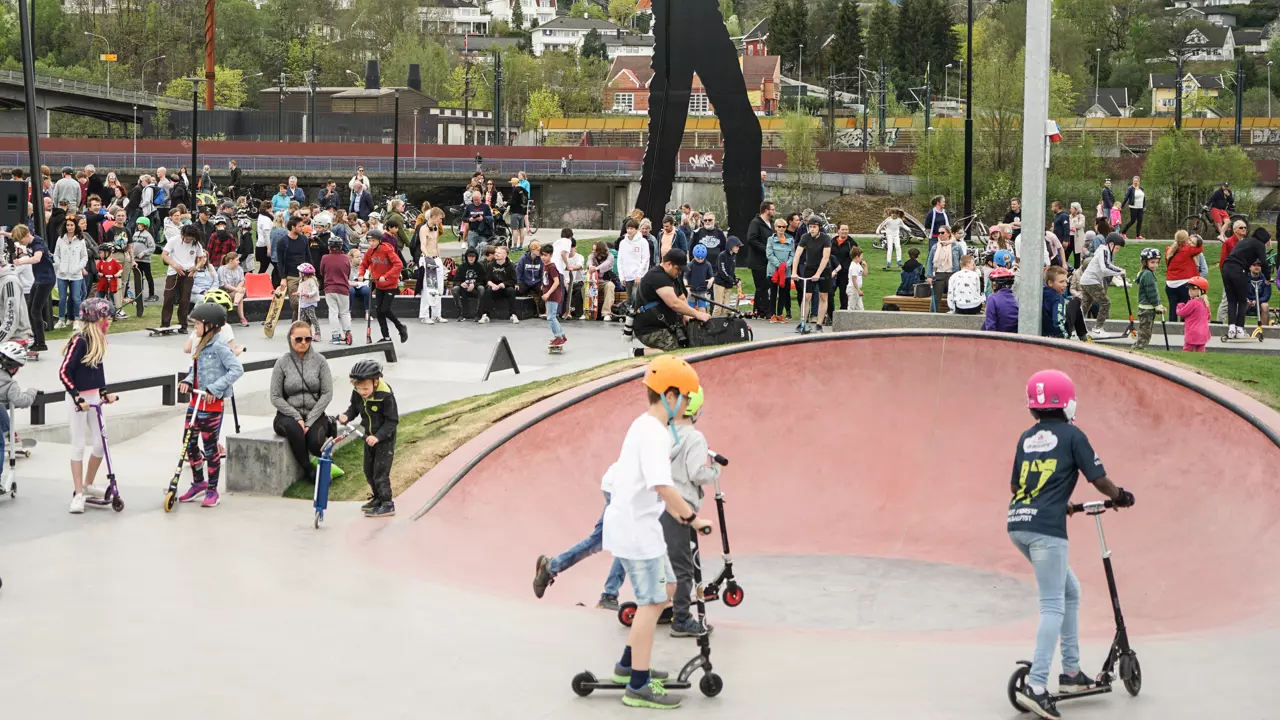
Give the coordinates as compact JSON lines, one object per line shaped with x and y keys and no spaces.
{"x":866,"y":496}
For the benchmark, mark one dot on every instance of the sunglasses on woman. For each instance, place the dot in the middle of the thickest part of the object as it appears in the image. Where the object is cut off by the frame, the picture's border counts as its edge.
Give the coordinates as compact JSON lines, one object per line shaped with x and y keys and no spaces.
{"x":302,"y":339}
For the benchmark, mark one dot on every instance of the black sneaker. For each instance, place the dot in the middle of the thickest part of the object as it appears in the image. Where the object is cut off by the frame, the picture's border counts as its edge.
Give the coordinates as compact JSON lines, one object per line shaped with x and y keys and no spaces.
{"x":1078,"y":682}
{"x":383,"y":510}
{"x":542,"y":576}
{"x":688,"y":627}
{"x":373,"y":503}
{"x":608,"y":602}
{"x":1039,"y":703}
{"x":404,"y":334}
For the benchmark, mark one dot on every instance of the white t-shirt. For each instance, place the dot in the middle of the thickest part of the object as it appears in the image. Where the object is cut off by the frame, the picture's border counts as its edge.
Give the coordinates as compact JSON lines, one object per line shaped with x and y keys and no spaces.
{"x":265,"y":224}
{"x":225,"y":333}
{"x":183,"y":253}
{"x":1139,"y":198}
{"x":631,"y":526}
{"x":892,"y":227}
{"x":558,"y":248}
{"x":855,"y":277}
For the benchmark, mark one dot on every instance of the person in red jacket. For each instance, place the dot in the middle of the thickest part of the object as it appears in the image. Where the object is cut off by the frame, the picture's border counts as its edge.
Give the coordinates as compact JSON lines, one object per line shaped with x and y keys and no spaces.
{"x":384,"y":265}
{"x":1181,"y":260}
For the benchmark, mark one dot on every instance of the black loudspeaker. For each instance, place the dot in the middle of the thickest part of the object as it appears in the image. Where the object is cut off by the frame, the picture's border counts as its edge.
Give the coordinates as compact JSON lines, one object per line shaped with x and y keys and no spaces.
{"x":13,"y":202}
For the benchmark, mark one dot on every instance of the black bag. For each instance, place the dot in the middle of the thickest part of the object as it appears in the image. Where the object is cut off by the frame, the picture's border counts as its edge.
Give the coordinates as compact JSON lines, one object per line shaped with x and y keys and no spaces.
{"x":718,"y":331}
{"x":923,"y":290}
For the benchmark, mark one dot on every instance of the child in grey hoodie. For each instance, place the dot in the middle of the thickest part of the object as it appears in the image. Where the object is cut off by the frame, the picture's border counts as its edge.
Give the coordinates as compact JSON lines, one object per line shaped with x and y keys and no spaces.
{"x":691,"y":468}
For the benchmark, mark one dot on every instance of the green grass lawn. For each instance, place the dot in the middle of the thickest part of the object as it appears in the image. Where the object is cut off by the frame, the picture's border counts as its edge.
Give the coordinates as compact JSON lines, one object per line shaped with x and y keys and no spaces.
{"x":1254,"y":375}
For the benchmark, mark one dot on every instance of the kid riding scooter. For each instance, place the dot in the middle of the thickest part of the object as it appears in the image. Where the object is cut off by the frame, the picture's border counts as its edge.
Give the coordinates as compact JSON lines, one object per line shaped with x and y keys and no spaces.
{"x":112,"y":495}
{"x":1130,"y":672}
{"x":324,"y":468}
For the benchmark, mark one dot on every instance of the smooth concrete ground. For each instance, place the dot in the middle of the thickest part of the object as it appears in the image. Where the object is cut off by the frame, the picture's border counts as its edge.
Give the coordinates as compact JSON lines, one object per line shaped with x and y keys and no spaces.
{"x":246,"y":611}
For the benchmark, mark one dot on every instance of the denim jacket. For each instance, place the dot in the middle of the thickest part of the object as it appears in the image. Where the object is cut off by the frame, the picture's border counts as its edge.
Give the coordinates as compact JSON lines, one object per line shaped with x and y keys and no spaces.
{"x":219,"y":369}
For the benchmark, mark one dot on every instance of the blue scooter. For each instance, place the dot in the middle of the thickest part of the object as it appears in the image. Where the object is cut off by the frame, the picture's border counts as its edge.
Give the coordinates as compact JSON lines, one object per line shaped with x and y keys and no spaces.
{"x":324,"y":469}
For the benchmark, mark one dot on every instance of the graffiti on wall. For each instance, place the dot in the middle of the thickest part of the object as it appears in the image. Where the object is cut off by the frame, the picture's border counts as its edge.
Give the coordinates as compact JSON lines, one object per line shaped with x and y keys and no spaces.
{"x":852,"y":138}
{"x":702,"y":161}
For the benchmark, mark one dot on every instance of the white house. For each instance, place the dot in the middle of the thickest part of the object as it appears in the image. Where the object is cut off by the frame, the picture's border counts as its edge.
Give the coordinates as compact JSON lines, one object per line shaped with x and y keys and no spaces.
{"x":1251,"y":40}
{"x":626,"y":44}
{"x":1213,"y":43}
{"x":1207,"y":3}
{"x":564,"y":33}
{"x":453,"y":17}
{"x":544,"y":11}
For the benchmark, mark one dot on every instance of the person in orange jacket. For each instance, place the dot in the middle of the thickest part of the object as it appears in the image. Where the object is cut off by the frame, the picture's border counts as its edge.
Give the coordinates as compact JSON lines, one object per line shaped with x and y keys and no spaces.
{"x":384,"y":265}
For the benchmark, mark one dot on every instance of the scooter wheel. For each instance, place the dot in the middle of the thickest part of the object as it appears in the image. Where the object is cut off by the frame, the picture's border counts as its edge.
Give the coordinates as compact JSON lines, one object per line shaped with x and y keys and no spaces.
{"x":627,"y":613}
{"x":1131,"y":673}
{"x":1016,"y":682}
{"x":734,"y":595}
{"x":319,"y":517}
{"x":711,"y":685}
{"x":582,"y":684}
{"x":170,"y":498}
{"x":13,"y":489}
{"x":117,"y":504}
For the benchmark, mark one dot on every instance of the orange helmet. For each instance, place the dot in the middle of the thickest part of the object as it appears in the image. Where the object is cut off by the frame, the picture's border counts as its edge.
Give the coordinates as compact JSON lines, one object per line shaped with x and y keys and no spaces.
{"x":669,"y":371}
{"x":1201,"y":283}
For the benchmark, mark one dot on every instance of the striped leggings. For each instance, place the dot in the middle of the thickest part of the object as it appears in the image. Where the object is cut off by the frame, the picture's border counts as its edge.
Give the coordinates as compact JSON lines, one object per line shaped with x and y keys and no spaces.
{"x":202,"y":446}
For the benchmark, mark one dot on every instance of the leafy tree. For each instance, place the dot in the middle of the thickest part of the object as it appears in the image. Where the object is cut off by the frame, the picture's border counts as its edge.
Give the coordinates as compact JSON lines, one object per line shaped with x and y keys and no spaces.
{"x":621,"y":11}
{"x":788,"y":30}
{"x":433,"y":60}
{"x":728,"y":13}
{"x":481,"y":80}
{"x":517,"y":15}
{"x":926,"y":40}
{"x":799,"y":141}
{"x":542,"y":104}
{"x":579,"y":8}
{"x":228,"y":88}
{"x":882,"y":30}
{"x":844,"y":51}
{"x":593,"y":45}
{"x":643,"y":22}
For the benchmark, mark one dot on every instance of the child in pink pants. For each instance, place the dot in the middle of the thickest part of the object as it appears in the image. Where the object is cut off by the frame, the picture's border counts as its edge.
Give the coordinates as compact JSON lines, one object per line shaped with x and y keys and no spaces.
{"x":1195,"y":316}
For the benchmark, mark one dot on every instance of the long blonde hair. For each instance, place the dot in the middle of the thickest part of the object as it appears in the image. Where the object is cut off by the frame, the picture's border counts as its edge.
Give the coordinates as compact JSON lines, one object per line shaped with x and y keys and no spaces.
{"x":95,"y":343}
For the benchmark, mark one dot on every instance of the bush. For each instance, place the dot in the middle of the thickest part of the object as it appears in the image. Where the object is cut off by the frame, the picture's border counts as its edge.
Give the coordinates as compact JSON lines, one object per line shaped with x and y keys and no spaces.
{"x":1180,"y":174}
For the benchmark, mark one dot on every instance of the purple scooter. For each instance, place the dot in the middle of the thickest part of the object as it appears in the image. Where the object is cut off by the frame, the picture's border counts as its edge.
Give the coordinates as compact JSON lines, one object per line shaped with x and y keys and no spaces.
{"x":112,"y":496}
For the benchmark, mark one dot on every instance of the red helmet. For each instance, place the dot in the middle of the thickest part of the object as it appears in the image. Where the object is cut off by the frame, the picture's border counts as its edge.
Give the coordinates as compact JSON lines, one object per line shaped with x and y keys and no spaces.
{"x":1001,"y":272}
{"x":1201,"y":283}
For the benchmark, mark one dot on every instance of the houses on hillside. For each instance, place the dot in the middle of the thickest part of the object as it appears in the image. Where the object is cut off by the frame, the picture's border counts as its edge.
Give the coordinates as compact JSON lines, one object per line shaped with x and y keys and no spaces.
{"x":568,"y":33}
{"x":1199,"y":92}
{"x":630,"y":77}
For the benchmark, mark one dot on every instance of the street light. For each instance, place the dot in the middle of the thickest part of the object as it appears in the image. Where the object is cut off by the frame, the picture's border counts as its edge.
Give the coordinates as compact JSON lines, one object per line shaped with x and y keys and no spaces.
{"x":144,"y":71}
{"x":357,"y":77}
{"x":1097,"y":77}
{"x":1268,"y":89}
{"x":946,"y":82}
{"x":108,"y":42}
{"x":800,"y":78}
{"x":135,"y":135}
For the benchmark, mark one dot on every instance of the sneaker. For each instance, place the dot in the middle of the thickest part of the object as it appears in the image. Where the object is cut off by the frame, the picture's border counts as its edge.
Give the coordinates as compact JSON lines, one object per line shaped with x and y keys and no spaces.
{"x":153,"y":298}
{"x":194,"y":492}
{"x":404,"y":334}
{"x":441,"y":320}
{"x":1039,"y":703}
{"x":666,"y":617}
{"x":514,"y":320}
{"x":96,"y":491}
{"x":210,"y":499}
{"x":483,"y":319}
{"x":622,"y":675}
{"x":1068,"y":684}
{"x":688,"y":627}
{"x":653,"y":695}
{"x":77,"y":503}
{"x":1140,"y":238}
{"x":607,"y":602}
{"x":336,"y":340}
{"x":608,"y":318}
{"x":817,"y":328}
{"x":383,"y":510}
{"x":120,"y":315}
{"x":59,"y":325}
{"x":542,"y":576}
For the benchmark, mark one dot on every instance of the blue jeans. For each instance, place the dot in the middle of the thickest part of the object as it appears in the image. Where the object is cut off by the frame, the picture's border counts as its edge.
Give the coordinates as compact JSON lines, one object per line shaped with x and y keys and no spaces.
{"x":585,"y":549}
{"x":553,"y":318}
{"x":477,"y":242}
{"x":361,"y":292}
{"x":1059,"y":603}
{"x":70,"y":295}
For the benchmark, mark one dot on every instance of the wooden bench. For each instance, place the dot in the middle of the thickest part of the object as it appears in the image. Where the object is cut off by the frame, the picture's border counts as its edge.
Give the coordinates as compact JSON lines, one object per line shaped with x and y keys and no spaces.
{"x":900,"y":303}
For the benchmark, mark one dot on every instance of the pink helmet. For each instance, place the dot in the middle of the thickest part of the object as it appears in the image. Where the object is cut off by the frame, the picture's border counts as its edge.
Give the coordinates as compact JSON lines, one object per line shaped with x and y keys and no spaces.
{"x":1050,"y":390}
{"x":307,"y":269}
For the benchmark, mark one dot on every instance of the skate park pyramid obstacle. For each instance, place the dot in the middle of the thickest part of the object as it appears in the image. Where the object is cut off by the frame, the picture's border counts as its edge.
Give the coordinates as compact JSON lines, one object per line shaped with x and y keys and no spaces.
{"x":502,"y":359}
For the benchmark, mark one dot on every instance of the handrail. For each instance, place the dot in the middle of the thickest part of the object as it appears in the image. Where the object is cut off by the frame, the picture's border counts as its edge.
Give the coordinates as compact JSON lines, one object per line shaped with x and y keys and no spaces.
{"x":168,"y":385}
{"x":135,"y":97}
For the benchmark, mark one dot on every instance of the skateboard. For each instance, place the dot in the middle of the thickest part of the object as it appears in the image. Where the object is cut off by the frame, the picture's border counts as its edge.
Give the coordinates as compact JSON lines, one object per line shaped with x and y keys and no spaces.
{"x":555,"y":349}
{"x":593,"y":296}
{"x":164,"y":331}
{"x":273,"y":312}
{"x":24,"y":446}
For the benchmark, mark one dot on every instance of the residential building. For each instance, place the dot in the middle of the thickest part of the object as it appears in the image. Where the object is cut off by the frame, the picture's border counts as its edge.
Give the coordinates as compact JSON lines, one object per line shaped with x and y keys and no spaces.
{"x":1207,"y":3}
{"x":1106,"y":103}
{"x":566,"y":33}
{"x":1211,"y":43}
{"x":755,"y":42}
{"x":479,"y":48}
{"x":630,"y":77}
{"x":453,"y":17}
{"x":543,"y":11}
{"x":1199,"y":92}
{"x":626,"y":44}
{"x":1220,"y":17}
{"x":1251,"y":40}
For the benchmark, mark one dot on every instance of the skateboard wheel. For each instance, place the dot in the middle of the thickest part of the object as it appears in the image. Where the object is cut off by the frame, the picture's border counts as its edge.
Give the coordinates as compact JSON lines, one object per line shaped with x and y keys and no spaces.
{"x":582,"y":684}
{"x":627,"y":613}
{"x":117,"y":504}
{"x":170,"y":498}
{"x":734,"y":595}
{"x":711,"y":685}
{"x":1016,"y":682}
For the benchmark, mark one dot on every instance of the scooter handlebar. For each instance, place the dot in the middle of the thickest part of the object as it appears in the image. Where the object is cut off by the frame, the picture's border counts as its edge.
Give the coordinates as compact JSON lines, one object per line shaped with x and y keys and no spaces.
{"x":706,"y":530}
{"x":1094,"y":507}
{"x":717,"y":458}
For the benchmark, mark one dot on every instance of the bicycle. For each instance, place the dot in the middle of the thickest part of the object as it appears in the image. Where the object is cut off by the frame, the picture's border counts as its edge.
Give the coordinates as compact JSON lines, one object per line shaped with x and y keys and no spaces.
{"x":1202,"y":224}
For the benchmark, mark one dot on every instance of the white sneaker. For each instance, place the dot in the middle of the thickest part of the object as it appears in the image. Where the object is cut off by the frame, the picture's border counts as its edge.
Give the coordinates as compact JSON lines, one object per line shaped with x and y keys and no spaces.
{"x":77,"y":503}
{"x":514,"y":319}
{"x":483,"y":319}
{"x":608,"y":318}
{"x":427,"y":321}
{"x":96,"y":491}
{"x":442,"y":320}
{"x":59,"y":325}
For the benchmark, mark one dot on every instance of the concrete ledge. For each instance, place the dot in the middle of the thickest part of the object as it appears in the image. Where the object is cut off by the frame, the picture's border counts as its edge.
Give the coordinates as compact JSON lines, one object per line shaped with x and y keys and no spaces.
{"x":404,"y":307}
{"x":846,"y":320}
{"x":259,"y":462}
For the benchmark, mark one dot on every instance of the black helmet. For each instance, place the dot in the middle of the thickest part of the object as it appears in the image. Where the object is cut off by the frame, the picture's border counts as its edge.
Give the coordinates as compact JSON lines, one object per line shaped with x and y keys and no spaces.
{"x":366,"y":370}
{"x":335,"y":242}
{"x":815,"y":220}
{"x":1116,"y":239}
{"x":211,"y":314}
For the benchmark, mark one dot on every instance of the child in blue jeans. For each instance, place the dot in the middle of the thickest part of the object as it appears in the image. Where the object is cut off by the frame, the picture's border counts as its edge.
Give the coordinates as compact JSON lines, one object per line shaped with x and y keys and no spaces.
{"x":552,"y":295}
{"x":1048,"y":461}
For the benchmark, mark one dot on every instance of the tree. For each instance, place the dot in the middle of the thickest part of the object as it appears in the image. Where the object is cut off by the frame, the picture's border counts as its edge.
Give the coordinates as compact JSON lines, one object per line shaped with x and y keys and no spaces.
{"x":517,"y":15}
{"x":579,"y":9}
{"x":228,"y":88}
{"x":481,"y":80}
{"x":799,"y":142}
{"x":788,"y":29}
{"x":434,"y":62}
{"x":542,"y":104}
{"x":621,"y":11}
{"x":926,"y":40}
{"x":845,"y":49}
{"x":728,"y":13}
{"x":882,"y":29}
{"x":593,"y":45}
{"x":643,"y":21}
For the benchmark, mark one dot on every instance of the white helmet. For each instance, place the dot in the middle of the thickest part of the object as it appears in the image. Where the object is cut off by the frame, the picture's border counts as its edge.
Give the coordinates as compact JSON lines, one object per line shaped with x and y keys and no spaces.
{"x":12,"y":354}
{"x":324,"y":219}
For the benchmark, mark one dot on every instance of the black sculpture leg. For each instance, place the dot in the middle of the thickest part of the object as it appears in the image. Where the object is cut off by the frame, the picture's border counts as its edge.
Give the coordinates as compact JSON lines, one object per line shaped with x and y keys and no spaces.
{"x":718,"y":67}
{"x":676,"y":43}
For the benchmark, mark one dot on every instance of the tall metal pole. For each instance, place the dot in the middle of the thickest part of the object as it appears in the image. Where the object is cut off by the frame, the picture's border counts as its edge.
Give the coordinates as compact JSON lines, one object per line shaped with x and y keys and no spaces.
{"x":466,"y":104}
{"x":1097,"y":77}
{"x":800,"y":78}
{"x":1035,"y":103}
{"x":415,"y":138}
{"x":968,"y":120}
{"x":33,"y":129}
{"x":1239,"y":98}
{"x":210,"y":33}
{"x":108,"y":42}
{"x":1269,"y":89}
{"x":135,"y":136}
{"x":195,"y":120}
{"x":280,"y":98}
{"x":928,"y":95}
{"x":497,"y":98}
{"x":884,"y":100}
{"x":1177,"y":96}
{"x":946,"y":83}
{"x":395,"y":148}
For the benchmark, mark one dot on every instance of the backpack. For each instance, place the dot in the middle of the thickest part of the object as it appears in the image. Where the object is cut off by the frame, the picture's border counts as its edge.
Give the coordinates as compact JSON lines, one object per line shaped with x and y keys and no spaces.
{"x":161,"y":197}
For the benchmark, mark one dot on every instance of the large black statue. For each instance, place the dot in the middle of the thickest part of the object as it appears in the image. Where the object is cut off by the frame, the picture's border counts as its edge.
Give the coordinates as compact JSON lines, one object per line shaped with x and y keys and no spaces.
{"x":690,"y":37}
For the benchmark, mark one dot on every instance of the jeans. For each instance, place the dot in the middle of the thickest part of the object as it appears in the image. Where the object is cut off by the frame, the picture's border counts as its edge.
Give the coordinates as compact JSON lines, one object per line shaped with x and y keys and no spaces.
{"x":364,"y":293}
{"x":39,"y":312}
{"x":585,"y":549}
{"x":1059,"y":603}
{"x":553,"y":318}
{"x":477,"y":242}
{"x":70,"y":295}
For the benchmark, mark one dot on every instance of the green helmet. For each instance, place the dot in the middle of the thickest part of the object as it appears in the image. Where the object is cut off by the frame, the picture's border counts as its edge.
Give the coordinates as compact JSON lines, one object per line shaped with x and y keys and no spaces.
{"x":218,"y":296}
{"x":695,"y":402}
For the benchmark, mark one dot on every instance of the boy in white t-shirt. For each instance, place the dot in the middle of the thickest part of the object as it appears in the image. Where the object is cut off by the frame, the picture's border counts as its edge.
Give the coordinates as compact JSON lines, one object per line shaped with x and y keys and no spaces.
{"x":964,"y":289}
{"x":891,"y":229}
{"x":857,"y":269}
{"x":641,"y":489}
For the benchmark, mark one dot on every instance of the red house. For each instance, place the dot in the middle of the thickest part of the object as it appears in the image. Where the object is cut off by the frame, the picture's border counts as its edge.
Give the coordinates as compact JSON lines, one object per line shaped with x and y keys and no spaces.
{"x":629,"y":78}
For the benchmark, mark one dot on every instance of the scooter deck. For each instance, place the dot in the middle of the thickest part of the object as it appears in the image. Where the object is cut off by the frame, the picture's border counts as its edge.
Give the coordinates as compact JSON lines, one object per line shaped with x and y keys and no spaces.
{"x":609,"y":684}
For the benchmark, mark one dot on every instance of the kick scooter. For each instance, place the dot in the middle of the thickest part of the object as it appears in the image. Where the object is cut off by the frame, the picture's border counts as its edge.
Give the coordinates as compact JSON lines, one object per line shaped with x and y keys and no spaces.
{"x":585,"y":682}
{"x":1130,"y":672}
{"x":1131,"y":331}
{"x":171,"y":495}
{"x":320,"y":500}
{"x":10,"y":484}
{"x":112,"y":496}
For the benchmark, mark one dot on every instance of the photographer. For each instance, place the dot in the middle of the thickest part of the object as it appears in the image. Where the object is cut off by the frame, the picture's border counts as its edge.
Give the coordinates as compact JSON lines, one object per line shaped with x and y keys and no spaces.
{"x":659,"y":305}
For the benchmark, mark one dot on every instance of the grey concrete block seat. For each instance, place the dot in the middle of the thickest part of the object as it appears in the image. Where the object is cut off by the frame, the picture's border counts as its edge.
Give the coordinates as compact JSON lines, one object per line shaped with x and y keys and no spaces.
{"x":406,"y":308}
{"x":259,"y":462}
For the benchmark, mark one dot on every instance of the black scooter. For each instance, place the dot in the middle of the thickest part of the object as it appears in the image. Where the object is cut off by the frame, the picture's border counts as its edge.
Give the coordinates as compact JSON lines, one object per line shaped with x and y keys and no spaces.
{"x":585,"y":682}
{"x":1130,"y":672}
{"x":733,"y":592}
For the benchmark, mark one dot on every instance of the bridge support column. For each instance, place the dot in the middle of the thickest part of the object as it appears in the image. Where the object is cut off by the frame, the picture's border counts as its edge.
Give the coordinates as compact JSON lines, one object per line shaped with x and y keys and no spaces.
{"x":13,"y":123}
